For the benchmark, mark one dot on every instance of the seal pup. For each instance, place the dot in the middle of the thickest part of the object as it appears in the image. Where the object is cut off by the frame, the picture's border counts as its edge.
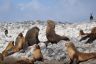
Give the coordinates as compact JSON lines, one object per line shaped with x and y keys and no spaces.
{"x":37,"y":54}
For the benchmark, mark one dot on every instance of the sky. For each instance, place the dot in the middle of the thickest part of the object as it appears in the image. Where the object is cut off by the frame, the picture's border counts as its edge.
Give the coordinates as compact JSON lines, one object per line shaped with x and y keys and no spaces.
{"x":59,"y":10}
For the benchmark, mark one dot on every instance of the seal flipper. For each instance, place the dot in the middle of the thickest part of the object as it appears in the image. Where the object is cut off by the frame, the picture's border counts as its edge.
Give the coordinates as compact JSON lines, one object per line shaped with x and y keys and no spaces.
{"x":85,"y":37}
{"x":66,"y":38}
{"x":75,"y":61}
{"x":46,"y":43}
{"x":10,"y":51}
{"x":90,"y":40}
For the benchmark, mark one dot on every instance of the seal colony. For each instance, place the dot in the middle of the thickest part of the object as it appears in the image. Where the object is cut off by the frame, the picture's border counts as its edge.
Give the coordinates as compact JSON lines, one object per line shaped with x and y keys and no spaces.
{"x":31,"y":38}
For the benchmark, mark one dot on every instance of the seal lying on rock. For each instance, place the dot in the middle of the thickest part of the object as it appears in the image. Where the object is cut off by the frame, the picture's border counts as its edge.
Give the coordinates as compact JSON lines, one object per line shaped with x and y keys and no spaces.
{"x":91,"y":36}
{"x":75,"y":56}
{"x":8,"y":49}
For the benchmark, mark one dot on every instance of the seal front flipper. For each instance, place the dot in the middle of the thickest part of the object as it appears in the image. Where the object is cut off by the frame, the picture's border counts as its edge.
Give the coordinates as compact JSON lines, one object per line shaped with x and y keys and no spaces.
{"x":75,"y":61}
{"x":46,"y":43}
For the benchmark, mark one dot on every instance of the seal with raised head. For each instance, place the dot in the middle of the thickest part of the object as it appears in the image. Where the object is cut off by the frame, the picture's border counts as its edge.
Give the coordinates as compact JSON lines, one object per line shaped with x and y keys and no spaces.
{"x":76,"y":56}
{"x":37,"y":54}
{"x":31,"y":37}
{"x":51,"y":35}
{"x":19,"y":43}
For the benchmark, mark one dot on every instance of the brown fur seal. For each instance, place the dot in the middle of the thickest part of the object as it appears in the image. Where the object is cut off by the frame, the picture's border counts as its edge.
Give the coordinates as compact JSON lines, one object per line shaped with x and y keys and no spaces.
{"x":37,"y":54}
{"x":51,"y":35}
{"x":91,"y":36}
{"x":19,"y":43}
{"x":9,"y":48}
{"x":31,"y":37}
{"x":76,"y":56}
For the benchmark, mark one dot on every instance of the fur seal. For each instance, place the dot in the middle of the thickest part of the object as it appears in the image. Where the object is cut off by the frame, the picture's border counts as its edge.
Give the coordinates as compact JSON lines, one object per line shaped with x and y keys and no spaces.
{"x":19,"y":43}
{"x":51,"y":35}
{"x":31,"y":37}
{"x":76,"y":56}
{"x":91,"y":36}
{"x":37,"y":54}
{"x":8,"y":49}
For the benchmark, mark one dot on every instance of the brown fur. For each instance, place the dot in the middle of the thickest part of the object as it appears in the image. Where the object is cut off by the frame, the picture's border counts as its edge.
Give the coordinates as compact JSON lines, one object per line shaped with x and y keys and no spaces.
{"x":51,"y":35}
{"x":37,"y":55}
{"x":25,"y":61}
{"x":9,"y":47}
{"x":32,"y":36}
{"x":93,"y":30}
{"x":77,"y":56}
{"x":9,"y":60}
{"x":91,"y":36}
{"x":14,"y":60}
{"x":1,"y":58}
{"x":19,"y":43}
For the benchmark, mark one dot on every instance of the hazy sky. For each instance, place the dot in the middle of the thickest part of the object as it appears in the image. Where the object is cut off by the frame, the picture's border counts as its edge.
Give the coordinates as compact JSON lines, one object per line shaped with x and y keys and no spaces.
{"x":60,"y":10}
